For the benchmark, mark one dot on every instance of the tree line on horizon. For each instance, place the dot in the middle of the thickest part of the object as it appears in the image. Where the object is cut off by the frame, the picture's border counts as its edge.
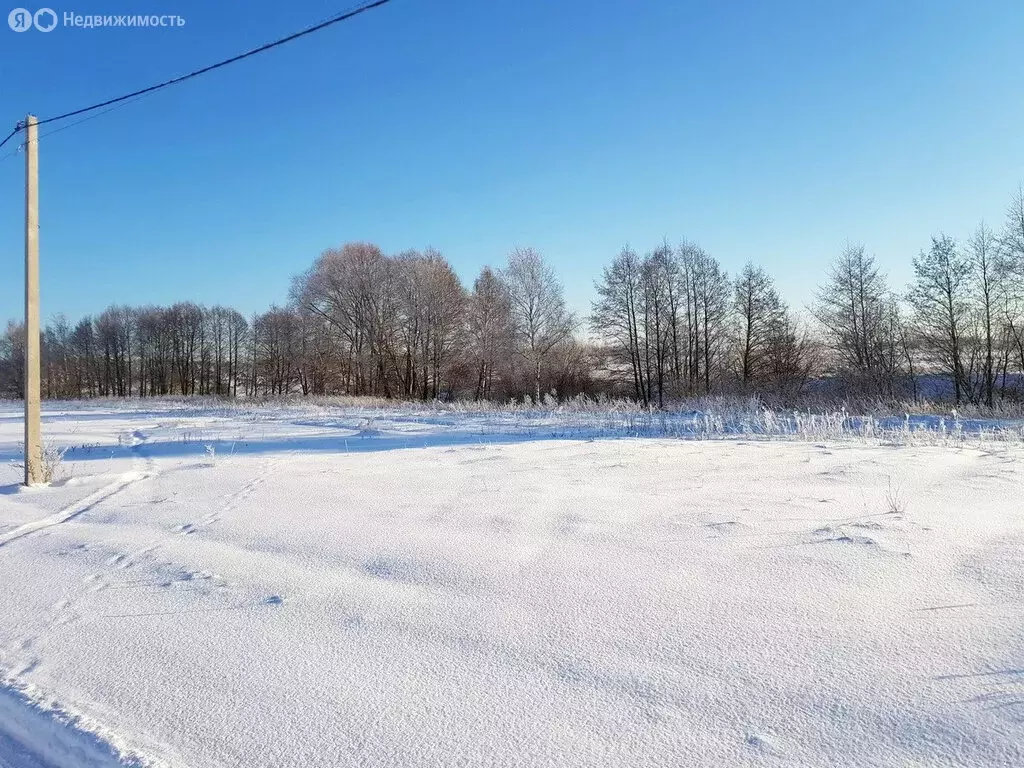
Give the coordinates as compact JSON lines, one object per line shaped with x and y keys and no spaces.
{"x":666,"y":324}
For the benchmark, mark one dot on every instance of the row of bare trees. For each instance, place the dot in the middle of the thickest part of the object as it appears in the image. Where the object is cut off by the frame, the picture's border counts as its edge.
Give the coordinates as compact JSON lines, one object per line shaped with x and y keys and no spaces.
{"x":128,"y":351}
{"x":962,"y":317}
{"x":358,"y":322}
{"x":404,"y":326}
{"x":665,"y":324}
{"x":675,"y":324}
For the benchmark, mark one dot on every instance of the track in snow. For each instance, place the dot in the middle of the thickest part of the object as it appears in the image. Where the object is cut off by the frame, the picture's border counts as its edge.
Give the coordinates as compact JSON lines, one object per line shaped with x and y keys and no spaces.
{"x":78,"y":508}
{"x":32,"y":737}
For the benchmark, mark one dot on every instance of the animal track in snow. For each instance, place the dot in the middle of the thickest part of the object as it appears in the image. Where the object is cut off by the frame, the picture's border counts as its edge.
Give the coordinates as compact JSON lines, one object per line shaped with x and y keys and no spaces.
{"x":836,"y":535}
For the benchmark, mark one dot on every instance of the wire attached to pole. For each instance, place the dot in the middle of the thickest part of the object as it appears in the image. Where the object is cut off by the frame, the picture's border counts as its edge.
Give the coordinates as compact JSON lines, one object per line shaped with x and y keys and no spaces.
{"x":344,"y":16}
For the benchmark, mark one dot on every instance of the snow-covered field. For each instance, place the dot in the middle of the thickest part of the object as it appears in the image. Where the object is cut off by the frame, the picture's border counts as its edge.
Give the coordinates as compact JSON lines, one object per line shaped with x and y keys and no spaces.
{"x":318,"y":586}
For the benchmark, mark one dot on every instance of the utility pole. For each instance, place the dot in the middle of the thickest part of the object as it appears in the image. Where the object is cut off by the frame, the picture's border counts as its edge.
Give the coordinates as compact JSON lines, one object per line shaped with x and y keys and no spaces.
{"x":33,"y":444}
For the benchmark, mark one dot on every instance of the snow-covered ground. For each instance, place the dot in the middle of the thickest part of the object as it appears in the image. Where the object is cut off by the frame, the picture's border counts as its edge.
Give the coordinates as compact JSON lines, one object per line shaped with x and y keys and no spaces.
{"x":317,"y":586}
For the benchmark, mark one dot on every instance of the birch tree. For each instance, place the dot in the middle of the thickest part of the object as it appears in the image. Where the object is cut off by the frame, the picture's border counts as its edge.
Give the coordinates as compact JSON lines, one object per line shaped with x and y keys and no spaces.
{"x":539,"y":317}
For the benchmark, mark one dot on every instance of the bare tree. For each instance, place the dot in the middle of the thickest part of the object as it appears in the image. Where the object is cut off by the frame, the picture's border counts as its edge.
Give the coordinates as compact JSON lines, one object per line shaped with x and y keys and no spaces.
{"x":789,"y":357}
{"x":445,"y":305}
{"x":665,"y":317}
{"x":615,"y":315}
{"x":428,"y":327}
{"x":58,"y":363}
{"x":353,"y":290}
{"x":708,"y":313}
{"x":853,"y":307}
{"x":989,"y":279}
{"x":761,"y":323}
{"x":1012,"y":239}
{"x":277,"y":351}
{"x":539,"y":316}
{"x":1011,"y":297}
{"x":490,"y":330}
{"x":658,"y":279}
{"x":941,"y":296}
{"x":12,"y":360}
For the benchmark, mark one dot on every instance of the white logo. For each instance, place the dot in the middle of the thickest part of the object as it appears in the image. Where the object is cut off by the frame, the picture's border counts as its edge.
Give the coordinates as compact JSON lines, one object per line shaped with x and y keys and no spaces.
{"x":22,"y":19}
{"x":45,"y":19}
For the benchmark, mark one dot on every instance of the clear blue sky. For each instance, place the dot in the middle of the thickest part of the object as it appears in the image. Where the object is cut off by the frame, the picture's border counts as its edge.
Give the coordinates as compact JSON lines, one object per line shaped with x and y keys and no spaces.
{"x":765,"y":131}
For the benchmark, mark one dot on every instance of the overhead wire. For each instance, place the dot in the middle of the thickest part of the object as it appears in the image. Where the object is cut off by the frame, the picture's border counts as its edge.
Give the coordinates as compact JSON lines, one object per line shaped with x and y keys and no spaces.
{"x":117,"y":101}
{"x":69,"y":125}
{"x":12,"y":134}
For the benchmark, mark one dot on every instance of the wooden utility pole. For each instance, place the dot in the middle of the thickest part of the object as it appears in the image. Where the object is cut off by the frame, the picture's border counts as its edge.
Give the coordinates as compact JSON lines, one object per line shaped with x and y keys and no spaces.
{"x":33,"y":444}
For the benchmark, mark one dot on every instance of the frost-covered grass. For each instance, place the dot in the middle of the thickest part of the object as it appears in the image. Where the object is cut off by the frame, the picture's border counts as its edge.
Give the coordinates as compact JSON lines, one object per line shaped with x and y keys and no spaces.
{"x":368,"y":585}
{"x":698,"y":418}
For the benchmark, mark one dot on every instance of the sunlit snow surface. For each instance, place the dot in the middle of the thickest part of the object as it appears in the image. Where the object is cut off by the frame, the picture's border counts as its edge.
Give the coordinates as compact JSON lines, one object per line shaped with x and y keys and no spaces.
{"x":325,"y":586}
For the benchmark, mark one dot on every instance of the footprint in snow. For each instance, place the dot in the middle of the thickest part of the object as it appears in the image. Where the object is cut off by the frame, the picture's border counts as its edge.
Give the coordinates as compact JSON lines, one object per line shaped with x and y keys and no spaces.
{"x":830,"y":535}
{"x":864,"y":541}
{"x":761,"y":743}
{"x":28,"y":668}
{"x":726,"y":526}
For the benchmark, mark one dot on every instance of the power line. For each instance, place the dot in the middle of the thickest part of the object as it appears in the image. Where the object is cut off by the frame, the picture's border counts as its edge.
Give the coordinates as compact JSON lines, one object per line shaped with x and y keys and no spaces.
{"x":181,"y":78}
{"x":87,"y":118}
{"x":345,"y":15}
{"x":69,"y":125}
{"x":11,"y":134}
